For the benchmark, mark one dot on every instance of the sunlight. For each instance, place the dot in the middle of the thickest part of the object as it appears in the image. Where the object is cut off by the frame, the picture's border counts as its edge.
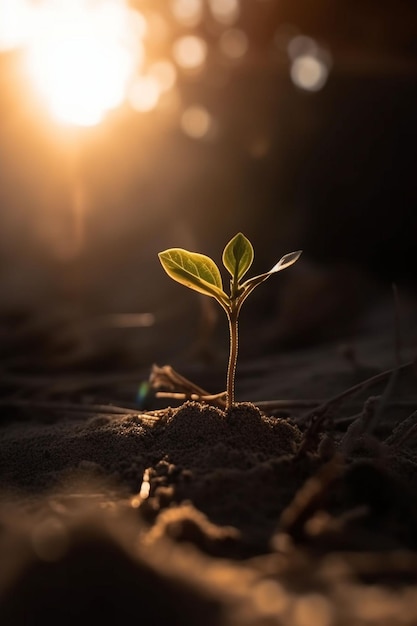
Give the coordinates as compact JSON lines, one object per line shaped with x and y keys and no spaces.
{"x":15,"y":19}
{"x":82,"y":55}
{"x":144,"y":94}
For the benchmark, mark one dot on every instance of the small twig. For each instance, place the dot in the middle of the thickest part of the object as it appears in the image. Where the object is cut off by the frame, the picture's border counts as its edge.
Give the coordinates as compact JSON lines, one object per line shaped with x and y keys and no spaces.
{"x":348,"y":419}
{"x":271,"y":405}
{"x":309,"y":498}
{"x":334,"y":400}
{"x":166,"y":376}
{"x":180,"y":387}
{"x":316,"y":417}
{"x":276,"y":405}
{"x":218,"y":398}
{"x":403,"y":430}
{"x":360,"y":425}
{"x":280,"y":405}
{"x":384,"y":399}
{"x":148,"y":417}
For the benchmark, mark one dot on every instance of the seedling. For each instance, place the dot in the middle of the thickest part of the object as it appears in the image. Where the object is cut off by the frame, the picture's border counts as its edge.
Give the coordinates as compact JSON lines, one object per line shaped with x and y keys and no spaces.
{"x":200,"y":273}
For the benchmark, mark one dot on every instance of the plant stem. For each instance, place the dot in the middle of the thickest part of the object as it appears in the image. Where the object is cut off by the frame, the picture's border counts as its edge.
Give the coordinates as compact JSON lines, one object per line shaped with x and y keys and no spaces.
{"x":232,"y":316}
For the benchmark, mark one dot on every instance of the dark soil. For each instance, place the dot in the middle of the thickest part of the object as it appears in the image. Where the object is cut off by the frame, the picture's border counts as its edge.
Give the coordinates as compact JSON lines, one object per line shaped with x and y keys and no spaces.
{"x":195,"y":515}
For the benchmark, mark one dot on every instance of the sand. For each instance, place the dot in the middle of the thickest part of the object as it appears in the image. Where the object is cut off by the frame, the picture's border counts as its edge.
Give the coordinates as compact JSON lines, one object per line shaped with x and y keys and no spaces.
{"x":183,"y":513}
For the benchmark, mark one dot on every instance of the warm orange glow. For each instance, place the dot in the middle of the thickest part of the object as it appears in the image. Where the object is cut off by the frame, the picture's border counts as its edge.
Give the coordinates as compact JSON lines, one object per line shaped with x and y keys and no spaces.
{"x":225,"y":11}
{"x":190,"y":52}
{"x":187,"y":12}
{"x":234,"y":43}
{"x":82,"y":55}
{"x":196,"y":122}
{"x":164,"y":73}
{"x":144,"y":93}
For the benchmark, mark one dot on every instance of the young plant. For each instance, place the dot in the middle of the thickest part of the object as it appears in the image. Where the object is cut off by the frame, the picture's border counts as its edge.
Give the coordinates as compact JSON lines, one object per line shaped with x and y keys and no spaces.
{"x":200,"y":273}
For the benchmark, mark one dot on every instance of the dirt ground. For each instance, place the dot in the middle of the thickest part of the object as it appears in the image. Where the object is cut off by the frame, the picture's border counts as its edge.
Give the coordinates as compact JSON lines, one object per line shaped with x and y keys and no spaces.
{"x":296,"y":507}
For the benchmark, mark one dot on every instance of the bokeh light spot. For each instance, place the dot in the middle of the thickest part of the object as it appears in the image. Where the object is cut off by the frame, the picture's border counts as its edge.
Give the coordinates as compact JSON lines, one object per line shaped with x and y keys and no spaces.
{"x":190,"y":52}
{"x":312,"y":609}
{"x":225,"y":11}
{"x":196,"y":122}
{"x":187,"y":12}
{"x":309,"y":73}
{"x":81,"y":57}
{"x":270,"y":598}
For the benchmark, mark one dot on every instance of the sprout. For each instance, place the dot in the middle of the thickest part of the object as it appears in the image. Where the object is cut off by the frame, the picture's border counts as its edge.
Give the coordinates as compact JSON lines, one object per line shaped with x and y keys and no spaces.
{"x":200,"y":273}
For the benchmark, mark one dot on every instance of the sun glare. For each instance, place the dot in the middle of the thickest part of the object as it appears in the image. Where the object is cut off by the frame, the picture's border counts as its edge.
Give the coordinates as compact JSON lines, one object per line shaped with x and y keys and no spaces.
{"x":144,"y":94}
{"x":196,"y":122}
{"x":15,"y":18}
{"x":82,"y":56}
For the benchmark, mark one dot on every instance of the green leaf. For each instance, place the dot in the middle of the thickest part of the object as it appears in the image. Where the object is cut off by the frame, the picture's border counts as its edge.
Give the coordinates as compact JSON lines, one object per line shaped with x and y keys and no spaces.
{"x":283,"y":263}
{"x":195,"y":271}
{"x":238,"y":256}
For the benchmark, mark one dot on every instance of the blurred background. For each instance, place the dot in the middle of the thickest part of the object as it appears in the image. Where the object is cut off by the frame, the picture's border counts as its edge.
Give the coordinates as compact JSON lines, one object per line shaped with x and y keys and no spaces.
{"x":127,"y":128}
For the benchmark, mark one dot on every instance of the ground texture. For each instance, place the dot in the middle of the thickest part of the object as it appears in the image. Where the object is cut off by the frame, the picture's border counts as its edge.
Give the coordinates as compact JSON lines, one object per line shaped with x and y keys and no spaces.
{"x":296,"y":507}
